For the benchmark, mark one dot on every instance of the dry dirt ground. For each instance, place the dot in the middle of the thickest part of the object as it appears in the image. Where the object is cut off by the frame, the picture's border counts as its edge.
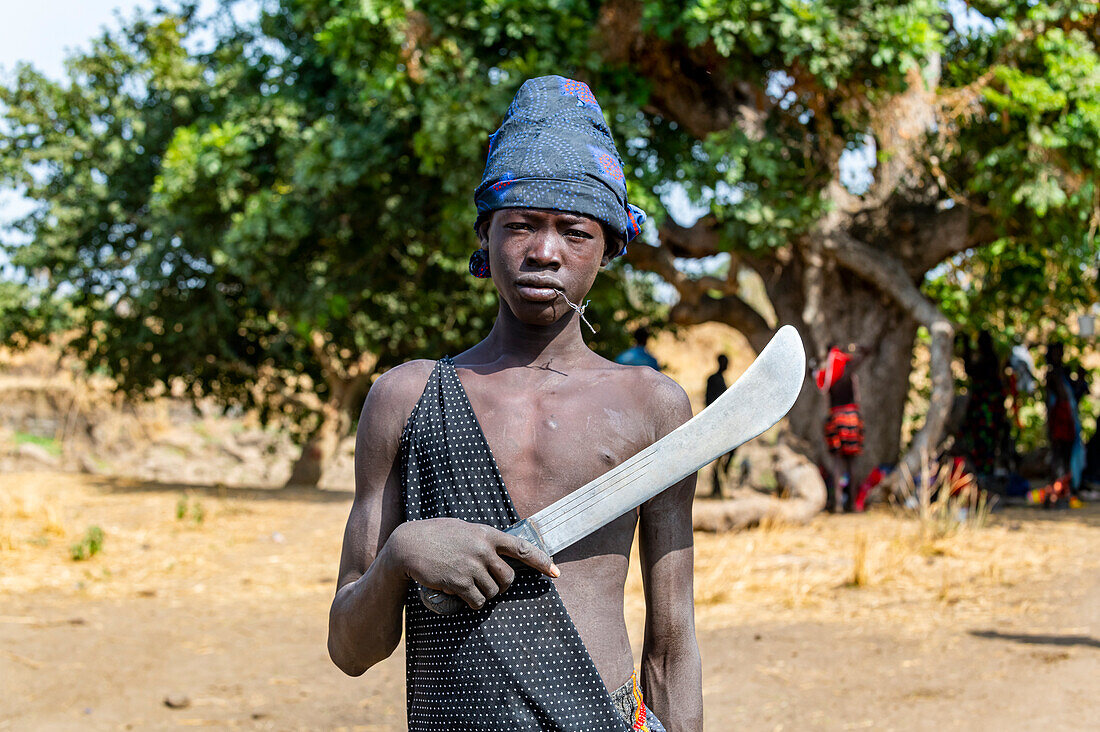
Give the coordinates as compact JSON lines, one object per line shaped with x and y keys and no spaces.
{"x":215,"y":599}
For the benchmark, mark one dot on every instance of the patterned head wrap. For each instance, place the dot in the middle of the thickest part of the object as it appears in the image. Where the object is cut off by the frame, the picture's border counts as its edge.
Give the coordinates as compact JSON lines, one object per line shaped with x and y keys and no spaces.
{"x":554,"y":150}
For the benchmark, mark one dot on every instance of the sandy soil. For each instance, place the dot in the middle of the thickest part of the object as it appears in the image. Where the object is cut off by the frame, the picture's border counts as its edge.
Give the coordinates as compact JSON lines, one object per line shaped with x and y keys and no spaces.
{"x":215,"y":600}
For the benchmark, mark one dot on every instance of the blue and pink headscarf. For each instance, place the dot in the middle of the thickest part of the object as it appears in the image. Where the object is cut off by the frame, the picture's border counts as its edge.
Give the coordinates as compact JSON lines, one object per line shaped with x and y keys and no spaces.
{"x":554,"y":151}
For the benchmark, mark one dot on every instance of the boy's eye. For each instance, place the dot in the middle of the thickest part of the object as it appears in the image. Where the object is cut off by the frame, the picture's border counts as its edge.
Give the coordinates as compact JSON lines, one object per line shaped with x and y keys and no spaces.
{"x":578,"y":233}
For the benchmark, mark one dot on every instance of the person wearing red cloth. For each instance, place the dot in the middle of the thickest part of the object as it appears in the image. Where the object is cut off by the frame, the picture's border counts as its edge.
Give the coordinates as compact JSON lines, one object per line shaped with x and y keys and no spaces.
{"x":844,"y":425}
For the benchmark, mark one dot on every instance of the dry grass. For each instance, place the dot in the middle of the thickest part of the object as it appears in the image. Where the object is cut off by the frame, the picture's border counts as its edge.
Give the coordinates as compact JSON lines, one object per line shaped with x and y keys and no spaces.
{"x":860,"y":572}
{"x":260,"y":546}
{"x":943,"y":499}
{"x":249,"y":545}
{"x":29,"y":512}
{"x":887,"y":566}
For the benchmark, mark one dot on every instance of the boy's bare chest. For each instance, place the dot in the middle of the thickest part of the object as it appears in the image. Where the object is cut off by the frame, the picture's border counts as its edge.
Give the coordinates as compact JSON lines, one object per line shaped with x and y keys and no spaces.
{"x":549,"y":442}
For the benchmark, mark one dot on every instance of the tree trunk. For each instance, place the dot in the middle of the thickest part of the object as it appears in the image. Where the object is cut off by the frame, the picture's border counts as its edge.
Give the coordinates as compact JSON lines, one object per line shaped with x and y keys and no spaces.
{"x":321,"y":446}
{"x":348,"y":384}
{"x":852,"y":312}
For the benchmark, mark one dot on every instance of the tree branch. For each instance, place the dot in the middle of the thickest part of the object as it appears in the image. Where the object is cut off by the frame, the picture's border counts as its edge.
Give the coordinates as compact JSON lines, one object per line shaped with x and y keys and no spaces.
{"x":697,"y":305}
{"x":687,"y":83}
{"x":345,"y":380}
{"x":702,"y":239}
{"x":900,"y":127}
{"x":888,"y":275}
{"x":945,"y":236}
{"x":813,"y":288}
{"x":731,"y":310}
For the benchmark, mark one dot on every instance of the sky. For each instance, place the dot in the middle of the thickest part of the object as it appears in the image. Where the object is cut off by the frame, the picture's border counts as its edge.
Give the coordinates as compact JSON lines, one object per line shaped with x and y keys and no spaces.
{"x":43,"y":33}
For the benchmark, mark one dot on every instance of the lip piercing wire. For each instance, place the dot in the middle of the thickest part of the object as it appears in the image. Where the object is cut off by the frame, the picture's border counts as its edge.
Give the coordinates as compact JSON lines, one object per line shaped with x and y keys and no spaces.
{"x":579,"y":308}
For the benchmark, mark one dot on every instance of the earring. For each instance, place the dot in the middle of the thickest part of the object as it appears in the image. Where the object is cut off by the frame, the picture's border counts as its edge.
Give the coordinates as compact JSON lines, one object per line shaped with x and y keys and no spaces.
{"x":479,"y":264}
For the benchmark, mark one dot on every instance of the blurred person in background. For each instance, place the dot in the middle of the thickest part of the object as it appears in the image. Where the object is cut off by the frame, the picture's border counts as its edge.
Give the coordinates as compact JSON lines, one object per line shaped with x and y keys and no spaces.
{"x":638,"y":355}
{"x":1067,"y":454}
{"x":716,"y":385}
{"x":985,"y":431}
{"x":844,"y":425}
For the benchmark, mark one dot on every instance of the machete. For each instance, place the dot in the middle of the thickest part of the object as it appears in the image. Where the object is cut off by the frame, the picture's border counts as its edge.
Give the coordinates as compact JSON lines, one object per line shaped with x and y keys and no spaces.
{"x":752,"y":404}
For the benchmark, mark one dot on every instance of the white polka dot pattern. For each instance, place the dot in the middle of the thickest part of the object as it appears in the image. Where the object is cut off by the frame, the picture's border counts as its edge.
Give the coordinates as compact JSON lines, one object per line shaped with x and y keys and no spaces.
{"x":518,"y":663}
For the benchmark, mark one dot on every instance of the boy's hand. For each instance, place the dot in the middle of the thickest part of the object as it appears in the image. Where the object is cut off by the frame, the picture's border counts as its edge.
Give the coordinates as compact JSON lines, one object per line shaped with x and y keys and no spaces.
{"x":462,"y":558}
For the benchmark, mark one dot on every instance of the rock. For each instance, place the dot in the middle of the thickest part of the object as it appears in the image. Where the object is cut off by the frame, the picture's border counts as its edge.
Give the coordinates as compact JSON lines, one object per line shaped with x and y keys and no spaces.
{"x":185,"y":441}
{"x":251,"y":438}
{"x":246,"y":454}
{"x":31,"y":451}
{"x":88,"y":465}
{"x":177,"y":701}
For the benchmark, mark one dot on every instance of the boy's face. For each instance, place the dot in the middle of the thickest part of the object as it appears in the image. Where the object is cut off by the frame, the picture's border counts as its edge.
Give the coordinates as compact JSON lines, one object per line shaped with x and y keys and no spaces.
{"x":534,"y":253}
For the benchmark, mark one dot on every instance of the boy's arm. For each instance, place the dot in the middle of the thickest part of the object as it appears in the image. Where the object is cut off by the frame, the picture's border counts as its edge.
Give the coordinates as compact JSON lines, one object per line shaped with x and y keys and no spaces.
{"x":671,"y":668}
{"x":382,"y":551}
{"x":365,"y":618}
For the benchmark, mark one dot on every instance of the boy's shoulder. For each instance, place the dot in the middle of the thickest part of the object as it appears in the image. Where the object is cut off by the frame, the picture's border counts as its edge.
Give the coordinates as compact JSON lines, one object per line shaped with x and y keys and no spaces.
{"x":409,"y":376}
{"x":663,"y":401}
{"x":396,"y":391}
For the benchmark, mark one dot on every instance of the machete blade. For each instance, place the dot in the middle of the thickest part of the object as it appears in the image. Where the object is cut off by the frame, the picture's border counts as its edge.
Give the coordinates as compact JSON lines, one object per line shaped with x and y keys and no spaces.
{"x":756,"y":401}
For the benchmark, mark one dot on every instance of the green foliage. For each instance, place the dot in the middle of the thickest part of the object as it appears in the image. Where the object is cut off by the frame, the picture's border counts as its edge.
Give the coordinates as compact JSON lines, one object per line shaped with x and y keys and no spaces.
{"x":50,"y":444}
{"x":835,"y":42}
{"x":29,"y":312}
{"x":211,"y":216}
{"x":88,"y":546}
{"x":1025,"y":153}
{"x":186,"y":507}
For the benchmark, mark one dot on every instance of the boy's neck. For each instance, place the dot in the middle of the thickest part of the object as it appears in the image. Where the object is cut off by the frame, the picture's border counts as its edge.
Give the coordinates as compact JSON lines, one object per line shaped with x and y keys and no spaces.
{"x":512,"y":342}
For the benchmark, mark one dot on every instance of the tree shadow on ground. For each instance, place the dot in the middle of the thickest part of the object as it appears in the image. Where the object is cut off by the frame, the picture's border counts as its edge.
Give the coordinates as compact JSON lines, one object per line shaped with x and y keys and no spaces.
{"x":108,"y":484}
{"x":1039,"y":640}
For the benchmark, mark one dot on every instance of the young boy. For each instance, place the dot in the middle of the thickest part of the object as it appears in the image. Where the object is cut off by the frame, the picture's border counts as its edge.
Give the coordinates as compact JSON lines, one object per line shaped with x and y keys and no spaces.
{"x":450,"y":452}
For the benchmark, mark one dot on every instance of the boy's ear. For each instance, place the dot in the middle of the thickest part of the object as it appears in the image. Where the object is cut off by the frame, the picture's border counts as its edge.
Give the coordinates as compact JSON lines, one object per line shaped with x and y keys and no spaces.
{"x":612,"y":245}
{"x":483,"y":230}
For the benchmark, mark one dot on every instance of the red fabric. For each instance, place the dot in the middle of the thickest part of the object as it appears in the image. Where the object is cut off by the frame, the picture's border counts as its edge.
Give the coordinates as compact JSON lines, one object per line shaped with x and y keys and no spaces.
{"x":830,"y":373}
{"x":844,"y":430}
{"x":1061,"y":422}
{"x":874,"y":478}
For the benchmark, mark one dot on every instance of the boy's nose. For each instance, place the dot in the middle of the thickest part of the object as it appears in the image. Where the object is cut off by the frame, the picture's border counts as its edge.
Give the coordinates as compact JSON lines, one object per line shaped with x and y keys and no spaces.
{"x":545,"y":251}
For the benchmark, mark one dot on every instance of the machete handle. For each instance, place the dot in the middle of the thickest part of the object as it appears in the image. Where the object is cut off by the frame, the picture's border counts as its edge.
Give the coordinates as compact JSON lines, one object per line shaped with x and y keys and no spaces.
{"x":444,"y":603}
{"x":440,"y":602}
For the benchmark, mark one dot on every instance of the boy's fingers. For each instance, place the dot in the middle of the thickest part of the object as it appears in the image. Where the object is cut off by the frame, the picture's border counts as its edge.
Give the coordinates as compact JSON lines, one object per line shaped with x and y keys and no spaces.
{"x":502,"y":573}
{"x":486,"y":584}
{"x":529,"y":554}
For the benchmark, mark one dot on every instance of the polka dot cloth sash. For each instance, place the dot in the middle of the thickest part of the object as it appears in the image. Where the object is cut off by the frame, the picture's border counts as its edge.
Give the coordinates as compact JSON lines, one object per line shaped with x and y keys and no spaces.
{"x":518,"y":663}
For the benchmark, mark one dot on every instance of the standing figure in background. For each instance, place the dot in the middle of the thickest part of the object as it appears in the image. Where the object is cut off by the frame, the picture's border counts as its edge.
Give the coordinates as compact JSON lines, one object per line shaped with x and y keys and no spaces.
{"x":985,"y":430}
{"x":716,"y":385}
{"x":844,"y":426}
{"x":637,"y":355}
{"x":1021,"y":383}
{"x":1067,"y":454}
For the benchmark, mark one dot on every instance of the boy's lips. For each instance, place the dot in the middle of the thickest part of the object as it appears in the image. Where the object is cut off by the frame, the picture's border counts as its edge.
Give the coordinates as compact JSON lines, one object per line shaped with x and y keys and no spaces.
{"x":538,"y":294}
{"x":538,"y":289}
